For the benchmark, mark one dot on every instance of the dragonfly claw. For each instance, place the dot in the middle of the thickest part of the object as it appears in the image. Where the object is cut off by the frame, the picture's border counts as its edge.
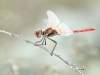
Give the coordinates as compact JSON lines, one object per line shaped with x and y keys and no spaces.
{"x":35,"y":44}
{"x":51,"y":53}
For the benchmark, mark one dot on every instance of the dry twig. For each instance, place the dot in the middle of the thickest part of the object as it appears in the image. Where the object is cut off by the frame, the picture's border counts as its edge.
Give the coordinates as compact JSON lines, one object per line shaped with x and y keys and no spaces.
{"x":72,"y":66}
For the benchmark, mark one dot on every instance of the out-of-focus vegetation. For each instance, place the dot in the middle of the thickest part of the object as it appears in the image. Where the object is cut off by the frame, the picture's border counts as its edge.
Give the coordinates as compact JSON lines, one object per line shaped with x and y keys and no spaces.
{"x":25,"y":16}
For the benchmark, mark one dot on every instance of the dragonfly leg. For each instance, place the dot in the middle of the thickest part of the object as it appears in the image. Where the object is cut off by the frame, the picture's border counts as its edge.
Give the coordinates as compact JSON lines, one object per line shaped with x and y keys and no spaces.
{"x":38,"y":42}
{"x":54,"y":46}
{"x":43,"y":39}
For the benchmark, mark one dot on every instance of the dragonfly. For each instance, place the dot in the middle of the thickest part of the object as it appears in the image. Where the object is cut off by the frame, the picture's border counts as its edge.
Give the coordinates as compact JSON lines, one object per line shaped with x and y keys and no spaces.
{"x":55,"y":27}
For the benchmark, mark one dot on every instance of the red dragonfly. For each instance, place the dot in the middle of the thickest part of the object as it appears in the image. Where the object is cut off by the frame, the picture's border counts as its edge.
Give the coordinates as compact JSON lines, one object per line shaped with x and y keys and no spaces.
{"x":55,"y":27}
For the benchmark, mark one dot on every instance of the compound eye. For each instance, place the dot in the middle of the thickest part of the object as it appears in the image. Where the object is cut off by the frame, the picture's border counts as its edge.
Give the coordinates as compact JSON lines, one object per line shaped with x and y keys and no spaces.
{"x":38,"y":33}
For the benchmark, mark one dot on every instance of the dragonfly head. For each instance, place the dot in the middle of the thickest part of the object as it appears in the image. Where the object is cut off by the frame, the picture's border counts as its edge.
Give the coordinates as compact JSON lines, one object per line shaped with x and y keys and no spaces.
{"x":38,"y":33}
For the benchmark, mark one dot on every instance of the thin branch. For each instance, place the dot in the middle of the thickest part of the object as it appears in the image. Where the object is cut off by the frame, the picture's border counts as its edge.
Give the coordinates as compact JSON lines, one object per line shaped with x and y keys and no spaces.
{"x":72,"y":66}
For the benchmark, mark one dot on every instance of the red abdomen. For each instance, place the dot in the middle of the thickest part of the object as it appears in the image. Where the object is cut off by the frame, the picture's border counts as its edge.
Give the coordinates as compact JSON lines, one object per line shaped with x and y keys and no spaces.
{"x":84,"y":30}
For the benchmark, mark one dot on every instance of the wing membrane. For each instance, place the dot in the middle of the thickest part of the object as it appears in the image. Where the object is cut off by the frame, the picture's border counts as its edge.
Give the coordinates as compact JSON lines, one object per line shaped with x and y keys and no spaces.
{"x":52,"y":19}
{"x":64,"y":30}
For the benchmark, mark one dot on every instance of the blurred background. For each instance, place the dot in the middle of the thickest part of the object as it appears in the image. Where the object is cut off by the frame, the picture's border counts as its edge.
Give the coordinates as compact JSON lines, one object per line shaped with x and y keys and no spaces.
{"x":23,"y":17}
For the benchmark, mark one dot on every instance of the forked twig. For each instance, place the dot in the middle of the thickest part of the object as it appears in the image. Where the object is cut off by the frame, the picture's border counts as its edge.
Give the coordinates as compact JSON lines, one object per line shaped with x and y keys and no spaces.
{"x":72,"y":66}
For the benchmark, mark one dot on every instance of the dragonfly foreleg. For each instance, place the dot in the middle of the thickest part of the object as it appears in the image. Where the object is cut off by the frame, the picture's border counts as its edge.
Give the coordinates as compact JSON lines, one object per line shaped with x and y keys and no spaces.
{"x":42,"y":40}
{"x":54,"y":46}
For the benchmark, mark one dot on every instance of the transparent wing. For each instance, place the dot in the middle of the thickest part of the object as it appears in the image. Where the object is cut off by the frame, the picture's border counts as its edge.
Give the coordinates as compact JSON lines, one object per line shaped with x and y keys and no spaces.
{"x":64,"y":30}
{"x":52,"y":19}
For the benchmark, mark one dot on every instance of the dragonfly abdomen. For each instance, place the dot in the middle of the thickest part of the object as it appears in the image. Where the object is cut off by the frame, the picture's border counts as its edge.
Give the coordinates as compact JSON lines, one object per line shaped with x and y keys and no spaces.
{"x":84,"y":30}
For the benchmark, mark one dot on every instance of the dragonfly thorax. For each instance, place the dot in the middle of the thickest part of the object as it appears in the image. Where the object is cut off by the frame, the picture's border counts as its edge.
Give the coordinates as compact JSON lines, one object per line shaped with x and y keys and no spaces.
{"x":50,"y":32}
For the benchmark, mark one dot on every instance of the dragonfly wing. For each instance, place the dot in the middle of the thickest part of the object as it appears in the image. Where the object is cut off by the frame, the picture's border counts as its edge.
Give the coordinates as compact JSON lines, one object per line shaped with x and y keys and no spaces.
{"x":46,"y":21}
{"x":52,"y":19}
{"x":64,"y":30}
